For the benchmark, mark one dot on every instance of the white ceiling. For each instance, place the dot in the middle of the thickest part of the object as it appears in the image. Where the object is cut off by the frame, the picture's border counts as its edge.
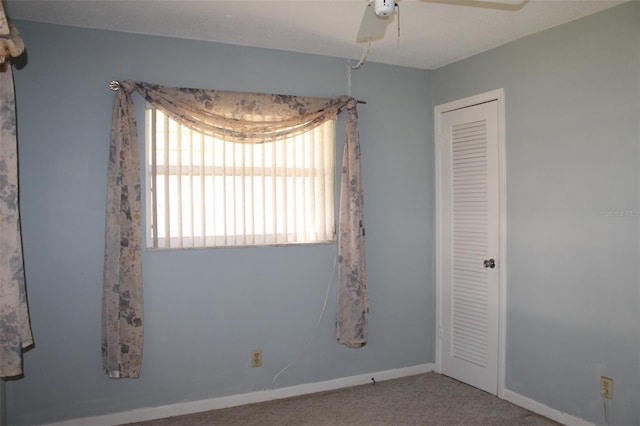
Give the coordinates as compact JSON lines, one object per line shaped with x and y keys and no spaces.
{"x":433,"y":33}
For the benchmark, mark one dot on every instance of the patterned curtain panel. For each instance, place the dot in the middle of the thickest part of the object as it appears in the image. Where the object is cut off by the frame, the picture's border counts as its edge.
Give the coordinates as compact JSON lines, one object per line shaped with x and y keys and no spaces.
{"x":15,"y":329}
{"x":122,"y":308}
{"x":353,"y":301}
{"x":232,"y":116}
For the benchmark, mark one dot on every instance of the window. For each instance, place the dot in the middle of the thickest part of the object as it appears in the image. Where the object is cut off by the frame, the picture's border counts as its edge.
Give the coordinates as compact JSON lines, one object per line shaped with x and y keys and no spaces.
{"x":206,"y":192}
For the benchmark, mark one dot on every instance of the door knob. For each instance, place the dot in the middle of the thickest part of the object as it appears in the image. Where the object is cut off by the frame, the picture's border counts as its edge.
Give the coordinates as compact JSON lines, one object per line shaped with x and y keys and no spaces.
{"x":491,"y":263}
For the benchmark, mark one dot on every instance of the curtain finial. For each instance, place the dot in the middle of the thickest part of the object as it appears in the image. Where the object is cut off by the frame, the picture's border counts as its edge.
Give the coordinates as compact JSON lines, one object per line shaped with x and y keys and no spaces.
{"x":114,"y":85}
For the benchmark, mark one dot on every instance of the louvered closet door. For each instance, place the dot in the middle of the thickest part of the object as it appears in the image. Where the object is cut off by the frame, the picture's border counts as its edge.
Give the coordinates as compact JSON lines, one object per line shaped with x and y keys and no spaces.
{"x":470,"y":236}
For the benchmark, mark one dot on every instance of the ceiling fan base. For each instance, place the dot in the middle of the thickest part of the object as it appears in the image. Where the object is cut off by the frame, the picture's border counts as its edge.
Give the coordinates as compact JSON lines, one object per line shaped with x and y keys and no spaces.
{"x":373,"y":26}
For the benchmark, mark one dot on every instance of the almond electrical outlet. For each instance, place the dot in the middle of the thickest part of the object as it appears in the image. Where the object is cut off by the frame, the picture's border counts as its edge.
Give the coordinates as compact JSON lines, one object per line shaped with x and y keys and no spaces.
{"x":606,"y":387}
{"x":256,"y":358}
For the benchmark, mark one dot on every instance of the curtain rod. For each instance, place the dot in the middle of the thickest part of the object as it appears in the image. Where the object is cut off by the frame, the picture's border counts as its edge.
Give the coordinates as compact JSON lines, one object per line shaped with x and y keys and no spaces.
{"x":115,"y":86}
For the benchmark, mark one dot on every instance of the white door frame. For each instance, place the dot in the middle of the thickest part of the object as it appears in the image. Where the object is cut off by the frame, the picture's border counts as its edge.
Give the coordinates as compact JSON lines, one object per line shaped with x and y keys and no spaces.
{"x":497,"y":95}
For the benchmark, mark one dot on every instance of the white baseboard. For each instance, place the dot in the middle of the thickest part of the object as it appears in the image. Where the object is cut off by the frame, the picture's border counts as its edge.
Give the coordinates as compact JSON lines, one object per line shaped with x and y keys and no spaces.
{"x":153,"y":413}
{"x":544,"y":410}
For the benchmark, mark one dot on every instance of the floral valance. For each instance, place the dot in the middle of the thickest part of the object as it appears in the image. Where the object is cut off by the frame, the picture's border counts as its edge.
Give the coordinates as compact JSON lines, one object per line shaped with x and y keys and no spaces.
{"x":239,"y":116}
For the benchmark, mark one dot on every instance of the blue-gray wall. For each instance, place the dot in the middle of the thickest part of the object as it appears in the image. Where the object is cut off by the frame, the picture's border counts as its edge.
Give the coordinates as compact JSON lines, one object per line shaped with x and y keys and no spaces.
{"x":573,"y":137}
{"x":206,"y":310}
{"x":572,"y":98}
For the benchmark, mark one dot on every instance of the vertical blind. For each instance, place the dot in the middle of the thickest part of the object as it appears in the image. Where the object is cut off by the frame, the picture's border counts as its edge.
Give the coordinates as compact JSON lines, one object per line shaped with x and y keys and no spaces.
{"x":206,"y":192}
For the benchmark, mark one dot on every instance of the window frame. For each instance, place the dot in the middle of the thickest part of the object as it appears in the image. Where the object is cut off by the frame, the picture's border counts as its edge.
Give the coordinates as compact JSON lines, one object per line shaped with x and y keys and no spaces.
{"x":155,"y":242}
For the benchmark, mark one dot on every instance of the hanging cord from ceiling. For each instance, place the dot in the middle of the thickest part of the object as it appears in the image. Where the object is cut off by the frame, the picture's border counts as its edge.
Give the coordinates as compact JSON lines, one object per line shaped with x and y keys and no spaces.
{"x":398,"y":39}
{"x":357,"y":66}
{"x":362,"y":59}
{"x":315,"y":330}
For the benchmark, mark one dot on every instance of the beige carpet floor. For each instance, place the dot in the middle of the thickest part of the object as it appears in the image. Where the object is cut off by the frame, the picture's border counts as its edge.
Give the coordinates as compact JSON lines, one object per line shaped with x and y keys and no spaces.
{"x":425,"y":399}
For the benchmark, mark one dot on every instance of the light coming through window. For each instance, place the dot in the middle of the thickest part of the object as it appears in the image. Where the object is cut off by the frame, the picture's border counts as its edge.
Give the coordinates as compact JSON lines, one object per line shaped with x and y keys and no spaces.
{"x":205,"y":192}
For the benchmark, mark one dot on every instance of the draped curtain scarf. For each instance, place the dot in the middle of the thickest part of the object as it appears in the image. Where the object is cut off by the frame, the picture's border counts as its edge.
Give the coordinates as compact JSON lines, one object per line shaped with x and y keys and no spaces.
{"x":234,"y":117}
{"x":353,"y":301}
{"x":15,"y":329}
